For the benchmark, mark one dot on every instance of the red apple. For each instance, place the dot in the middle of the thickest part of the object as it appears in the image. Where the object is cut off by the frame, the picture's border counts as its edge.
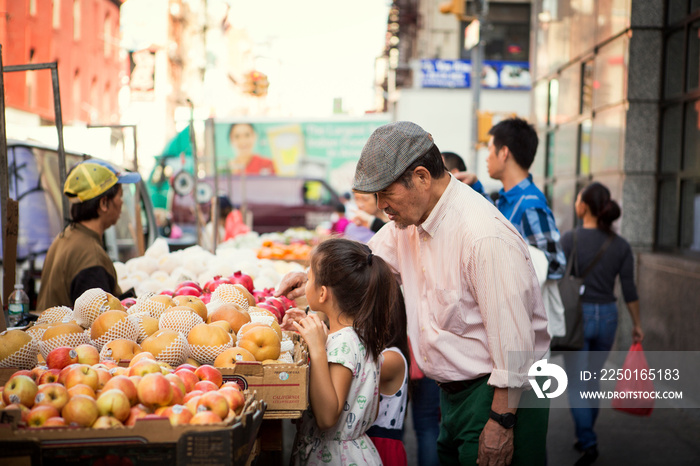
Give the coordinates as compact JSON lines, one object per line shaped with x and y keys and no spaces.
{"x":210,"y":373}
{"x":212,"y":284}
{"x":83,"y":374}
{"x":145,"y":366}
{"x":188,"y":379}
{"x":106,"y":422}
{"x":114,"y":403}
{"x":214,"y":402}
{"x":188,"y":367}
{"x":273,"y":309}
{"x":125,"y":385}
{"x":205,"y":386}
{"x":38,"y":415}
{"x":205,"y":417}
{"x":137,"y":412}
{"x":192,"y":394}
{"x":64,"y":373}
{"x":24,"y":411}
{"x":80,"y":410}
{"x":53,"y":394}
{"x":87,"y":354}
{"x":81,"y":389}
{"x":20,"y":390}
{"x":155,"y":390}
{"x":26,"y":373}
{"x":234,"y":397}
{"x":55,"y":422}
{"x":37,"y":372}
{"x":103,"y":377}
{"x":178,"y":414}
{"x":61,"y":357}
{"x":49,"y":376}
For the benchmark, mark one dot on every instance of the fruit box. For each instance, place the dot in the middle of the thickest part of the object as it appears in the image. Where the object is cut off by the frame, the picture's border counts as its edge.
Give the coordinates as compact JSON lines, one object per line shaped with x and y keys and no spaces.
{"x":284,"y":387}
{"x":149,"y":441}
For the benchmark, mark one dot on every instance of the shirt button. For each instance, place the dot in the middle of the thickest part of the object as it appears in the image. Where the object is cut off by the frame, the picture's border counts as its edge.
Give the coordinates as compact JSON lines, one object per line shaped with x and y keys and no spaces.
{"x":423,"y":269}
{"x":422,"y":328}
{"x":425,"y":359}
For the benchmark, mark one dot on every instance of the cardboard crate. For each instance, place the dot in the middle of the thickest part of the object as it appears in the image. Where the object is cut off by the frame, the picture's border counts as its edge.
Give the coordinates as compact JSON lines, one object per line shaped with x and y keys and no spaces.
{"x":149,"y":441}
{"x":284,"y":387}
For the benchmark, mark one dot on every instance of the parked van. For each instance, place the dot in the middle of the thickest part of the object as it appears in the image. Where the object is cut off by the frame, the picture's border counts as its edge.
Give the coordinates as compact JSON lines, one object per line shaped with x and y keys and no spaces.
{"x":34,"y":182}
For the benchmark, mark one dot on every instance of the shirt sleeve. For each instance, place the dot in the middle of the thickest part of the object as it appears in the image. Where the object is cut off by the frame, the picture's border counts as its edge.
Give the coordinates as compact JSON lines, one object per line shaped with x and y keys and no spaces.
{"x":540,"y":230}
{"x":92,"y":277}
{"x":507,"y":295}
{"x":341,"y":348}
{"x":629,"y":290}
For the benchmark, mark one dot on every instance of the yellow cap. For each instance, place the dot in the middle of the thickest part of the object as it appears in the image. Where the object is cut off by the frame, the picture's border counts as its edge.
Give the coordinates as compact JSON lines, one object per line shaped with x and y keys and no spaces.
{"x":93,"y":178}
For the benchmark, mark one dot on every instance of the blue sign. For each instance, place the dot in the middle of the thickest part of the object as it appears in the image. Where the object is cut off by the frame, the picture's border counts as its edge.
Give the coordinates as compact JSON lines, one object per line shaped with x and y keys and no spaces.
{"x":456,"y":74}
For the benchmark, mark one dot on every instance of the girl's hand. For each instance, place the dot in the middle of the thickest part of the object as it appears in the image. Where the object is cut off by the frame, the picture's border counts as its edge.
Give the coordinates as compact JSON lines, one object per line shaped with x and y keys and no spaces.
{"x":314,"y":331}
{"x":637,"y":334}
{"x":290,"y":317}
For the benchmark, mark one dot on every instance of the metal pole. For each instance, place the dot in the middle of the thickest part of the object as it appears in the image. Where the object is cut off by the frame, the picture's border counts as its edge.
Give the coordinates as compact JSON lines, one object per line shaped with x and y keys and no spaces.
{"x":477,"y":57}
{"x":195,"y":161}
{"x":4,"y":181}
{"x":59,"y":128}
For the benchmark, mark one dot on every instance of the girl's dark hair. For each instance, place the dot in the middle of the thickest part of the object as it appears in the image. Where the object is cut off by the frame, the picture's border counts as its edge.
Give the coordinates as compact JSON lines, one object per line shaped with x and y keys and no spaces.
{"x":363,"y":285}
{"x":431,"y":160}
{"x":87,"y":210}
{"x":398,"y":334}
{"x":597,"y":197}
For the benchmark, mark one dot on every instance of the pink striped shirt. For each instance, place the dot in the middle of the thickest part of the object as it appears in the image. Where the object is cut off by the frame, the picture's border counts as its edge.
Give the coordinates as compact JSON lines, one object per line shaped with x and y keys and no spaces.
{"x":472,"y":297}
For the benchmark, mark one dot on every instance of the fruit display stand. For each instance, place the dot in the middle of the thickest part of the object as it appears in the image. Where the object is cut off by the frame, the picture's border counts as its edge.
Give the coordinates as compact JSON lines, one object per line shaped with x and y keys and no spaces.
{"x":150,"y":441}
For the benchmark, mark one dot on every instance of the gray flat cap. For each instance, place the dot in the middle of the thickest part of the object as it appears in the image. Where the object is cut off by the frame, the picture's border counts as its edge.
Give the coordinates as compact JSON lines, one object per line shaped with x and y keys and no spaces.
{"x":387,"y":153}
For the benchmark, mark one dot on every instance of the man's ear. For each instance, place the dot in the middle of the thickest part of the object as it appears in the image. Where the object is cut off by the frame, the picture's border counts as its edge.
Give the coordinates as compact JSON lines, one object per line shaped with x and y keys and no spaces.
{"x":104,"y":204}
{"x":506,"y":153}
{"x":422,"y":176}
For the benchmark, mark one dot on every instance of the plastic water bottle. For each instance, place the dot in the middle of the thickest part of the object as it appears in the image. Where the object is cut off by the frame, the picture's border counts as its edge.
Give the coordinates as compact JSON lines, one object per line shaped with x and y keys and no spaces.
{"x":17,"y":306}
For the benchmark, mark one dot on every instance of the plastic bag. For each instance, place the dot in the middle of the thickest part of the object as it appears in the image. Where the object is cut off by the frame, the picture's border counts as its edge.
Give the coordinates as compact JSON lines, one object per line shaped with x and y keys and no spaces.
{"x":235,"y":225}
{"x":633,"y":401}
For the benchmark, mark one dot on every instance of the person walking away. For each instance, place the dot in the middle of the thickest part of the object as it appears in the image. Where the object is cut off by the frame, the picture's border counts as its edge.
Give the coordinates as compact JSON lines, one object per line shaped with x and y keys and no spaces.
{"x":358,"y":292}
{"x":472,"y":298}
{"x":599,"y":304}
{"x":77,"y":260}
{"x":387,"y":431}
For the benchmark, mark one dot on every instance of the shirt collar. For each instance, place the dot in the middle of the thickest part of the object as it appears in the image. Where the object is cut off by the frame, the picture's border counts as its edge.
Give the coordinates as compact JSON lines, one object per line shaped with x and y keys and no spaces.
{"x":431,"y":224}
{"x":516,"y":191}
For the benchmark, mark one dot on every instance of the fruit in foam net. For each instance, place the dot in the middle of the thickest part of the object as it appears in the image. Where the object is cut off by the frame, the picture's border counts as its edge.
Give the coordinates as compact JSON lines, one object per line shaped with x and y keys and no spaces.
{"x":20,"y":390}
{"x":231,"y":313}
{"x":80,"y":410}
{"x":262,"y":341}
{"x":227,"y":327}
{"x":121,"y":350}
{"x":60,"y":330}
{"x":106,"y":321}
{"x":53,"y":394}
{"x":157,"y":343}
{"x":208,"y":335}
{"x":229,"y":357}
{"x":113,"y":302}
{"x":164,"y":299}
{"x":60,"y":357}
{"x":193,"y":302}
{"x":146,"y":325}
{"x":273,"y":325}
{"x":12,"y":341}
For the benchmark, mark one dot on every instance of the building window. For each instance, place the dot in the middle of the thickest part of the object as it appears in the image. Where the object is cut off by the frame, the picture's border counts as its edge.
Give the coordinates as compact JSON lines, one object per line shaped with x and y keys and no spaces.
{"x":678,"y":189}
{"x":76,"y":19}
{"x":56,"y":14}
{"x":32,"y":7}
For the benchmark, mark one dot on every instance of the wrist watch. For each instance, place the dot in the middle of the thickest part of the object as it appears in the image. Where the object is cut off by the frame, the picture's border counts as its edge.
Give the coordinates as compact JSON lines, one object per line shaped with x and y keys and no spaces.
{"x":507,"y":420}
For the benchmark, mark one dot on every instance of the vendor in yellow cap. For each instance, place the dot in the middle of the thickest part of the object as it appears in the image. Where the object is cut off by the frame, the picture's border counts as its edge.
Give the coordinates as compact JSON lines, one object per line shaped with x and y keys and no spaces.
{"x":77,"y":260}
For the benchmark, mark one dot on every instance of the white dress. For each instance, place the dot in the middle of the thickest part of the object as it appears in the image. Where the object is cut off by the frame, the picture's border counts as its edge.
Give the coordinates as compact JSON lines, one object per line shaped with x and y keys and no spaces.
{"x":346,"y":443}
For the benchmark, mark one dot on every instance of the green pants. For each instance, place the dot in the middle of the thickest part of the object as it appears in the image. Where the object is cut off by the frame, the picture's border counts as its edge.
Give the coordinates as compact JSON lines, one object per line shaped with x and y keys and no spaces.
{"x":464,"y":415}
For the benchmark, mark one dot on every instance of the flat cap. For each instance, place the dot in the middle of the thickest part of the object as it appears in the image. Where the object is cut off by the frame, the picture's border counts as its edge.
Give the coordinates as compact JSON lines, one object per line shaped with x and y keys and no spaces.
{"x":387,"y":153}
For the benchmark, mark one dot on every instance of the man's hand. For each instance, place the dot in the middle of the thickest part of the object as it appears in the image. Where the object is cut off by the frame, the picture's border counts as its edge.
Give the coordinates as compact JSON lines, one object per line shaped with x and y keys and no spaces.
{"x":466,"y":177}
{"x":292,"y":285}
{"x":495,"y":445}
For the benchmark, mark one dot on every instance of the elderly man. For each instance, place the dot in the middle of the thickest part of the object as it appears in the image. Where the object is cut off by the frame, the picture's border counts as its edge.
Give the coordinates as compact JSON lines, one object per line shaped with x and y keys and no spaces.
{"x":475,"y":314}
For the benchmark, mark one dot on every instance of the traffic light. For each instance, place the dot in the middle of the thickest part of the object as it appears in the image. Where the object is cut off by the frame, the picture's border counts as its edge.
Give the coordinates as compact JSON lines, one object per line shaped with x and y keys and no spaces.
{"x":457,"y":8}
{"x":256,"y":83}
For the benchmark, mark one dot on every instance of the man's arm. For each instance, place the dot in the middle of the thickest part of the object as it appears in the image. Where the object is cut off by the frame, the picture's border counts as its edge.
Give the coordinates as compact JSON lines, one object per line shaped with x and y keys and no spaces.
{"x":540,"y":230}
{"x":92,"y":277}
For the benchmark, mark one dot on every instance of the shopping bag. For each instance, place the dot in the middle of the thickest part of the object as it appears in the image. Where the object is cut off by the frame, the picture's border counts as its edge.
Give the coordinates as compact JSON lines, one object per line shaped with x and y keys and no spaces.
{"x":630,"y":390}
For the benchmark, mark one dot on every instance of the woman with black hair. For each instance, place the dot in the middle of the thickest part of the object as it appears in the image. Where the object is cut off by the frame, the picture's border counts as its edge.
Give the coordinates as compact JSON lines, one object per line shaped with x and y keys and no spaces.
{"x":599,"y":304}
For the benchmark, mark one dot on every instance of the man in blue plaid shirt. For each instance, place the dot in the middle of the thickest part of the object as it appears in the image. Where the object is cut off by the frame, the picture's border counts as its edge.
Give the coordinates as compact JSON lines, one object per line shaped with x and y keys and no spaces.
{"x":512,"y":149}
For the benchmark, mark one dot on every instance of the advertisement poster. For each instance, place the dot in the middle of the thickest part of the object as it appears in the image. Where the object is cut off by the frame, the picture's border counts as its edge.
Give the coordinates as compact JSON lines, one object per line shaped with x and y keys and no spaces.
{"x":315,"y":149}
{"x":454,"y":74}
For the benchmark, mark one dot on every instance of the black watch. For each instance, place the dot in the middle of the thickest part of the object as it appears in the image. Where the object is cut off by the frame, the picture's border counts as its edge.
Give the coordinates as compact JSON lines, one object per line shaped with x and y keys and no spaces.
{"x":507,"y":420}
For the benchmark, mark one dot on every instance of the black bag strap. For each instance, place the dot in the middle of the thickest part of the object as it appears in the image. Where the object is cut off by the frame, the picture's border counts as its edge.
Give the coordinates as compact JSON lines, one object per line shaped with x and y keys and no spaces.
{"x":598,"y":256}
{"x":572,"y":259}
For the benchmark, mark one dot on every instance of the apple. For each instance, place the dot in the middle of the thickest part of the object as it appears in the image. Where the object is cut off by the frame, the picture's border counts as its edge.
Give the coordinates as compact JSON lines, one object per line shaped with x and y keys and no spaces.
{"x":55,"y":422}
{"x":176,"y":380}
{"x":192,"y":394}
{"x":38,"y":415}
{"x":205,"y":417}
{"x":53,"y":394}
{"x":26,"y":373}
{"x":165,"y":368}
{"x":187,"y":291}
{"x":61,"y":357}
{"x":145,"y":366}
{"x":154,"y":390}
{"x":114,"y":403}
{"x":64,"y":373}
{"x":49,"y":376}
{"x":106,"y":422}
{"x":23,"y":410}
{"x":189,"y":284}
{"x":229,"y":417}
{"x":178,"y":395}
{"x":81,"y":389}
{"x":20,"y":390}
{"x":103,"y":377}
{"x":83,"y":374}
{"x":239,"y":278}
{"x":206,"y":386}
{"x":214,"y":402}
{"x":188,"y":379}
{"x":191,"y":404}
{"x":233,"y":385}
{"x":234,"y":397}
{"x":88,"y":354}
{"x":80,"y":410}
{"x":177,"y":414}
{"x":210,"y":373}
{"x":125,"y":385}
{"x":231,"y":356}
{"x":186,"y":366}
{"x":262,"y":341}
{"x":136,"y":412}
{"x":141,"y":355}
{"x":37,"y":372}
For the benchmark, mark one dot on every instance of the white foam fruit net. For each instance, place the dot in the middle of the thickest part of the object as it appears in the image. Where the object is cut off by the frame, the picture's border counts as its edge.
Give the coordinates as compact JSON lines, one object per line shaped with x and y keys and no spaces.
{"x":176,"y":353}
{"x":55,"y":314}
{"x":137,"y":319}
{"x":136,"y":307}
{"x":230,"y":294}
{"x":123,"y":330}
{"x":154,"y":308}
{"x":23,"y":358}
{"x":69,"y":339}
{"x":35,"y":332}
{"x":207,"y":354}
{"x":286,"y":350}
{"x":180,"y":320}
{"x":89,"y":306}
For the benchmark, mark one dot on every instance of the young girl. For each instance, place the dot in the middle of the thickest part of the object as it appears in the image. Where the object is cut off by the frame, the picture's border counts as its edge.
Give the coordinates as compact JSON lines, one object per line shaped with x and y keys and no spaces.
{"x":387,"y":431}
{"x":357,"y":291}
